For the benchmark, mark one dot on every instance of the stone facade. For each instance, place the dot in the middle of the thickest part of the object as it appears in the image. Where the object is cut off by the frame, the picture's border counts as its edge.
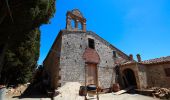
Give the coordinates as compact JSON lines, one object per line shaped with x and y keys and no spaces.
{"x":71,"y":63}
{"x":65,"y":62}
{"x":72,"y":54}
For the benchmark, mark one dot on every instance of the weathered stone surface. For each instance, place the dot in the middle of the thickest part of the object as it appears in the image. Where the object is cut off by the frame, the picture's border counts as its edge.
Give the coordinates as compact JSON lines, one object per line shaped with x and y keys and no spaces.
{"x":149,"y":74}
{"x":70,"y":53}
{"x":65,"y":63}
{"x":72,"y":63}
{"x":156,"y":76}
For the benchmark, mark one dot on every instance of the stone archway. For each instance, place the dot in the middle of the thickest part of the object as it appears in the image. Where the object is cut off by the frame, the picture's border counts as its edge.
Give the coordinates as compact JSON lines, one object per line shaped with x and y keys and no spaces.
{"x":129,"y":78}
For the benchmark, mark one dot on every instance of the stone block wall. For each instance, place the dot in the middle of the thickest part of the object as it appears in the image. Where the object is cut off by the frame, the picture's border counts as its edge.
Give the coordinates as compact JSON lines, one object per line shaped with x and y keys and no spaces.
{"x":71,"y":60}
{"x":106,"y":74}
{"x":142,"y":76}
{"x":52,"y":63}
{"x":156,"y":76}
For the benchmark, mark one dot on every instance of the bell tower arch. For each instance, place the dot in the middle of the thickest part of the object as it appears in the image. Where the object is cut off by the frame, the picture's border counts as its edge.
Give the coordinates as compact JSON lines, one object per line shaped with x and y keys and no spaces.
{"x":75,"y":21}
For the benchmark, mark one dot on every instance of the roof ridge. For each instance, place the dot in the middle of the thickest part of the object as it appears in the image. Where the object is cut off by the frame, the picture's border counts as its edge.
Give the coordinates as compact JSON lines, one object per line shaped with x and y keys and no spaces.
{"x":163,"y":57}
{"x":157,"y":60}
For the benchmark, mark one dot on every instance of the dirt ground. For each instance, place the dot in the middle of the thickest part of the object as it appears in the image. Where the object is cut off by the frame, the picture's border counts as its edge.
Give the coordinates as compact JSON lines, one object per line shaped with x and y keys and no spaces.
{"x":70,"y":92}
{"x":71,"y":89}
{"x":108,"y":96}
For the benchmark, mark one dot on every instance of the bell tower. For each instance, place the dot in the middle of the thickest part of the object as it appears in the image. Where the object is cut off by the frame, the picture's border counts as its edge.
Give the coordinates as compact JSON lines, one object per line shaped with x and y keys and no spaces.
{"x":76,"y":16}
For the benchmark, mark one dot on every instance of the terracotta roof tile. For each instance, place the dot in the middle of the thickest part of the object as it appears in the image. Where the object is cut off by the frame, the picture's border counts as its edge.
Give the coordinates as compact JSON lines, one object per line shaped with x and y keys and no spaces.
{"x":128,"y":63}
{"x":151,"y":61}
{"x":156,"y":60}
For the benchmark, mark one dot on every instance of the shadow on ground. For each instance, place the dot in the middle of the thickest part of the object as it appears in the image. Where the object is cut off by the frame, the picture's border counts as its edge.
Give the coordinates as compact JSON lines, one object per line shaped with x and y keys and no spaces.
{"x":33,"y":92}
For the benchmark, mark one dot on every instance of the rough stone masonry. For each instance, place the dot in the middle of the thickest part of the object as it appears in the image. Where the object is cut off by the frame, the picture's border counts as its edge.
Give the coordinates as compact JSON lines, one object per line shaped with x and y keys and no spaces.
{"x":78,"y":55}
{"x":65,"y":63}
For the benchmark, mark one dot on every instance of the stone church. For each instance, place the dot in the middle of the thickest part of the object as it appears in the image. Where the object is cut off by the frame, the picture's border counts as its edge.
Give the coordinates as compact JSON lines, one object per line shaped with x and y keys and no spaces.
{"x":78,"y":55}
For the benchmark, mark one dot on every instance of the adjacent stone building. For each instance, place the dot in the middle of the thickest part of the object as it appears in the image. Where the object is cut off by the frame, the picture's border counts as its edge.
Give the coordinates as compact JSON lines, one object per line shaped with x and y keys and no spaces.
{"x":146,"y":74}
{"x":78,"y":55}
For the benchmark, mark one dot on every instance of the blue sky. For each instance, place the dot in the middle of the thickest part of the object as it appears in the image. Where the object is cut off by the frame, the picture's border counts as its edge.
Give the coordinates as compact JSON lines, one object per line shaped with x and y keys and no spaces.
{"x":133,"y":26}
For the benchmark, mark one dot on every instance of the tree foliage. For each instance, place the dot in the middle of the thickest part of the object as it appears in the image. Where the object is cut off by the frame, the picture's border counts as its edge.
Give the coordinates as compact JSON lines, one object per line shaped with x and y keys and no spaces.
{"x":21,"y":59}
{"x":25,"y":16}
{"x":19,"y":30}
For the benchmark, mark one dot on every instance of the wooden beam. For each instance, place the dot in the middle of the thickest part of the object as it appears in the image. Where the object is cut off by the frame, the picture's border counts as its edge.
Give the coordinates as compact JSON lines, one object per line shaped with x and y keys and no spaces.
{"x":124,"y":91}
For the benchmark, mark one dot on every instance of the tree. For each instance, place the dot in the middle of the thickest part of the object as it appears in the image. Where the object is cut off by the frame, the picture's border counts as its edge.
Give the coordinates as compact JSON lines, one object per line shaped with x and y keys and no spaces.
{"x":20,"y":36}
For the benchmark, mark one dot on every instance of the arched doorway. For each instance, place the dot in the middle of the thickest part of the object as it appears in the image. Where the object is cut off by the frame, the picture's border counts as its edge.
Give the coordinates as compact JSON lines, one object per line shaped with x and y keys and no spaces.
{"x":129,"y":78}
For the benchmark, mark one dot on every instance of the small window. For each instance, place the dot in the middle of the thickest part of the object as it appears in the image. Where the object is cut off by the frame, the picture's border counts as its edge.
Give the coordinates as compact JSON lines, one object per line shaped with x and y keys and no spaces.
{"x":91,"y":43}
{"x":114,"y":54}
{"x":80,"y":46}
{"x":167,"y":72}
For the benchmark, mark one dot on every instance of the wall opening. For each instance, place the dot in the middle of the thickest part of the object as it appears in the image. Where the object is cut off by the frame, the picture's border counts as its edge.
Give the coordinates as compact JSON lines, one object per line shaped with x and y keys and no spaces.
{"x":75,"y":21}
{"x":80,"y":46}
{"x":80,"y":26}
{"x":129,"y":78}
{"x":72,"y":24}
{"x":91,"y":43}
{"x":167,"y":72}
{"x":114,"y":54}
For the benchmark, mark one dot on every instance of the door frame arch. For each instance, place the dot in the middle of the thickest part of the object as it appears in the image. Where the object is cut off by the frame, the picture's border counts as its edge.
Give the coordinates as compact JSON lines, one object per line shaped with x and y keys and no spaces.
{"x":135,"y":71}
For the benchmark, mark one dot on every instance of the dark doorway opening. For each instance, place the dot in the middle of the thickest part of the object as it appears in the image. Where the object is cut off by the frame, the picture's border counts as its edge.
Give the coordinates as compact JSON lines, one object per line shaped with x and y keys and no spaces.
{"x":129,"y":78}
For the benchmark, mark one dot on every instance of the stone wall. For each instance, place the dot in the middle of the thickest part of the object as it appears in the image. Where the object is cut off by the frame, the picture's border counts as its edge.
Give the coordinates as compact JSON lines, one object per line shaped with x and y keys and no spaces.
{"x":106,"y":73}
{"x":156,"y":76}
{"x":71,"y":61}
{"x":52,"y":63}
{"x":142,"y":76}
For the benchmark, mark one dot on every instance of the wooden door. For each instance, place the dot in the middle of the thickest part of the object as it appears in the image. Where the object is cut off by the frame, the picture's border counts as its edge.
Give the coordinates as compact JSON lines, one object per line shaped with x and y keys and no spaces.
{"x":91,"y":74}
